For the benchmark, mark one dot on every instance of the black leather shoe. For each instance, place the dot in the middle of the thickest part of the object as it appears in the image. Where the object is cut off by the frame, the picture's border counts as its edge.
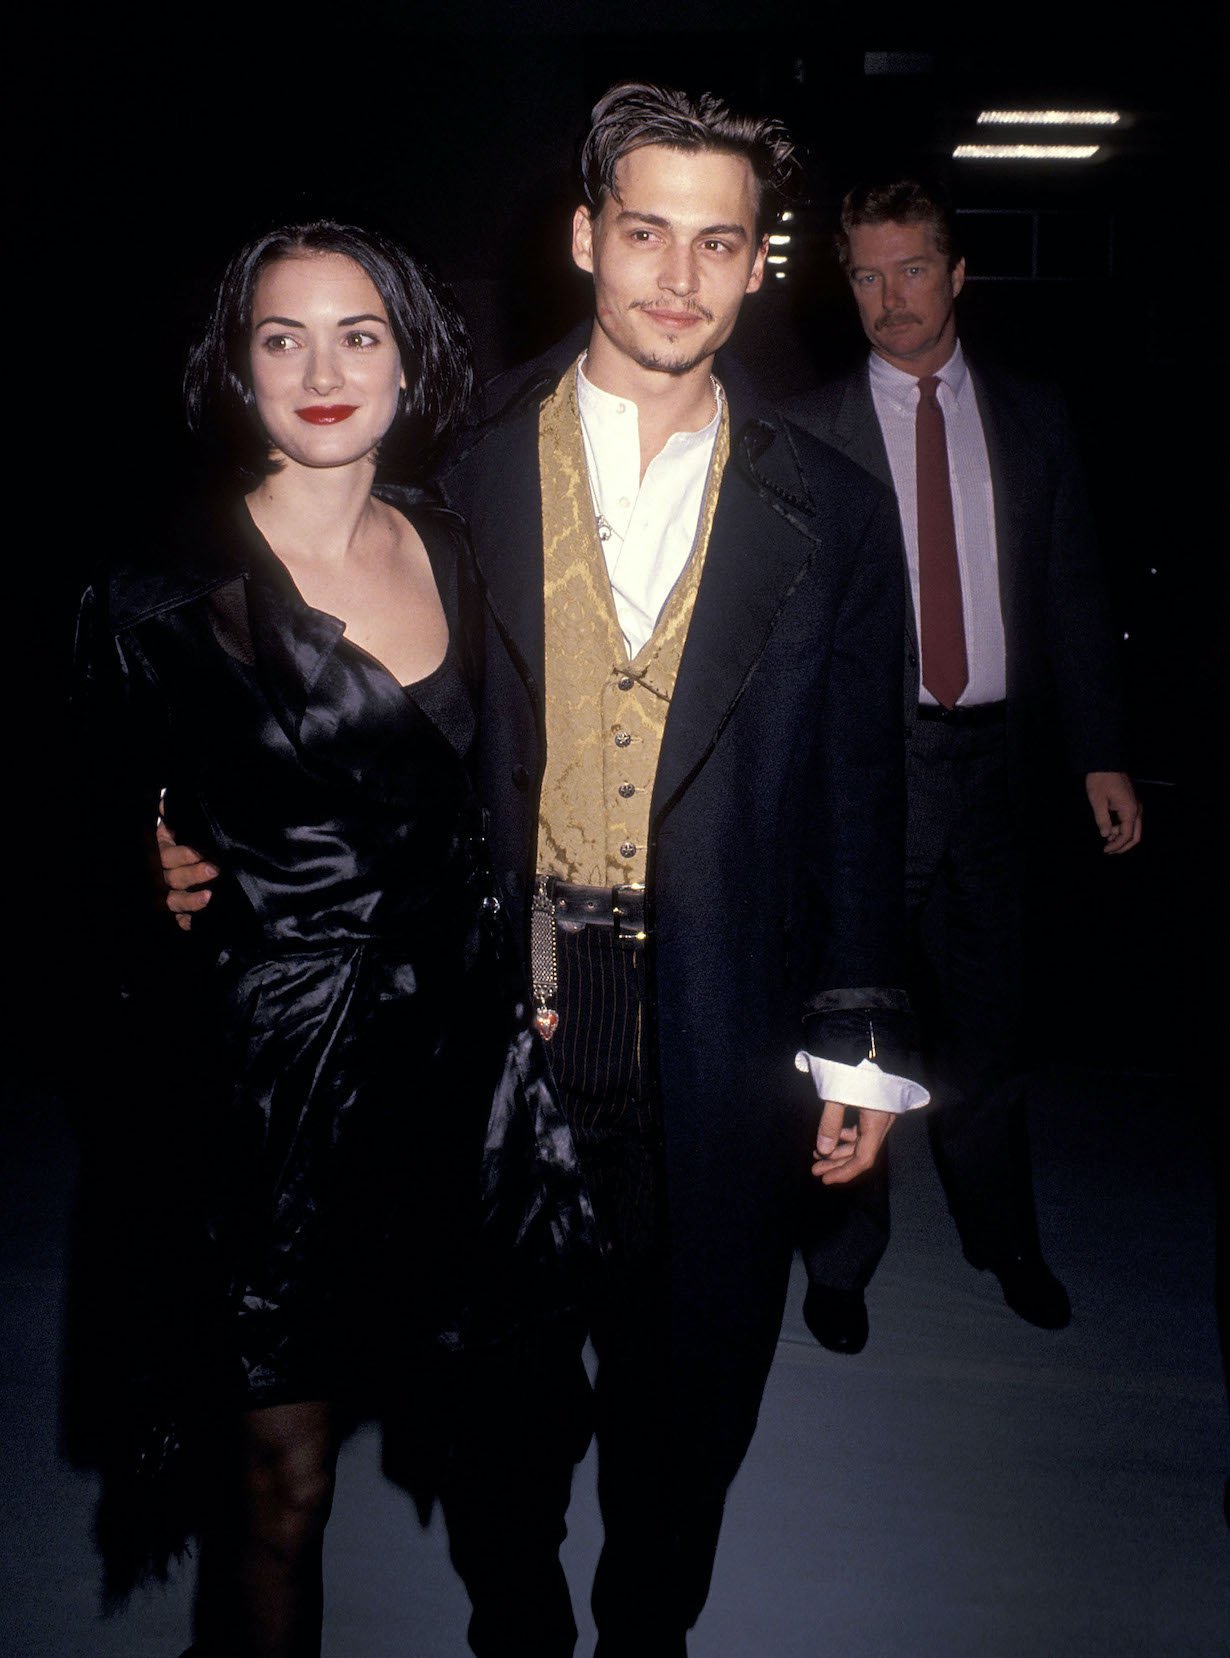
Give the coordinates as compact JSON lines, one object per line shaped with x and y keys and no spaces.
{"x":1031,"y":1289}
{"x":837,"y":1318}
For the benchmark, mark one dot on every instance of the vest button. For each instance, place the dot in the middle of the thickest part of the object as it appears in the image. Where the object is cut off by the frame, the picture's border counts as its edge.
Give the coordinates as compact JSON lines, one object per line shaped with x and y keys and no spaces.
{"x":624,"y":682}
{"x":627,"y":850}
{"x":622,"y":739}
{"x":627,"y":790}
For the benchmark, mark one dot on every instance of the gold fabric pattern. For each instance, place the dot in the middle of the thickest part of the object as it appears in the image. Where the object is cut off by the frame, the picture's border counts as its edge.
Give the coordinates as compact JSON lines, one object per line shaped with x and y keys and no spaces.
{"x":605,"y":712}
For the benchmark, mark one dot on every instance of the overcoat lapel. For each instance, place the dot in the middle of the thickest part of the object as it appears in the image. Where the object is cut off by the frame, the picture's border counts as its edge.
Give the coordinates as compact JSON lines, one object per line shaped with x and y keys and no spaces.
{"x":219,"y":551}
{"x":508,"y":497}
{"x":292,"y":644}
{"x":1010,"y":456}
{"x":856,"y":431}
{"x":291,"y":641}
{"x":762,"y":542}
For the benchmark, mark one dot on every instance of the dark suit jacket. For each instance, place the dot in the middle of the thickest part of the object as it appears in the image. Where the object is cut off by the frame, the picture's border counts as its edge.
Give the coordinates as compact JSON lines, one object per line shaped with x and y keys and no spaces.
{"x":775,"y":852}
{"x":1061,"y":668}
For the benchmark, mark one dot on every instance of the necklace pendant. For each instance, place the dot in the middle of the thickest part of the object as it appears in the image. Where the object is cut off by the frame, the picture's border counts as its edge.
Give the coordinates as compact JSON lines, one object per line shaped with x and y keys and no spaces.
{"x":605,"y":531}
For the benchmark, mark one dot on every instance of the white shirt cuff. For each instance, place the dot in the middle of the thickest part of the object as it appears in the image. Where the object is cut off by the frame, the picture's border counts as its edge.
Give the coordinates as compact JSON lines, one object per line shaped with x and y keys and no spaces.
{"x":864,"y":1084}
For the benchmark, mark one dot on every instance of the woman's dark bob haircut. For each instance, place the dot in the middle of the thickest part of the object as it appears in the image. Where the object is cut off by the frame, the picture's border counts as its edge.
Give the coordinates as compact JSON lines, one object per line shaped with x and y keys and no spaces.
{"x":431,"y":335}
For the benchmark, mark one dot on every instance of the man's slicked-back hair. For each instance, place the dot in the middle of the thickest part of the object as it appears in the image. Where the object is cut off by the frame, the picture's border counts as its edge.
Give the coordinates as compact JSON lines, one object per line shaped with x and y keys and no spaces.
{"x":907,"y":201}
{"x":633,"y":114}
{"x":427,"y":326}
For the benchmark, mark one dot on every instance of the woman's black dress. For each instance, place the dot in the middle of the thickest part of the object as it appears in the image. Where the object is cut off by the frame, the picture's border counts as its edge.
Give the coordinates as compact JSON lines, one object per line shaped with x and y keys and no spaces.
{"x":380,"y":1167}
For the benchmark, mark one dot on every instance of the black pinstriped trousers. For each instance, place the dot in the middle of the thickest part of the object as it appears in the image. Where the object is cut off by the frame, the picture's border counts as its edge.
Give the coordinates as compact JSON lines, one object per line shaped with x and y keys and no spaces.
{"x":641,"y":1601}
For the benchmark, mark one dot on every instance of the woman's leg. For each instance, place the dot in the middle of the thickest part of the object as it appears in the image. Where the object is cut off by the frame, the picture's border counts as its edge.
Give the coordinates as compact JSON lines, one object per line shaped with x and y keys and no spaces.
{"x":259,"y":1593}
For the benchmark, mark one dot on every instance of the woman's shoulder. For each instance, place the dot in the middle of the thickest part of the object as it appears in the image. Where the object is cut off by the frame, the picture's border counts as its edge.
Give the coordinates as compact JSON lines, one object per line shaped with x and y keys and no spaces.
{"x":425,"y":508}
{"x":442,"y":531}
{"x":184,"y":554}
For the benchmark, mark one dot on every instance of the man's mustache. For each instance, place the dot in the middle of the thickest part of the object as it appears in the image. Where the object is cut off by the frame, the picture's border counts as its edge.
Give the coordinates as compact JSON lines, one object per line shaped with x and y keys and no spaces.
{"x":688,"y":305}
{"x":890,"y":317}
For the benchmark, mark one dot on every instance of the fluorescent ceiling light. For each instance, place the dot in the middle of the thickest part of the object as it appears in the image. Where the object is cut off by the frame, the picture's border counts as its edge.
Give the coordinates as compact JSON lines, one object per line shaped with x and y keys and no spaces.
{"x":1025,"y":152}
{"x":1049,"y":117}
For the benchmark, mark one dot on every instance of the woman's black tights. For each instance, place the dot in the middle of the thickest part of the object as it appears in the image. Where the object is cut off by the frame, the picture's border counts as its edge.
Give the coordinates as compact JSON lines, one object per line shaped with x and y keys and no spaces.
{"x":259,"y":1589}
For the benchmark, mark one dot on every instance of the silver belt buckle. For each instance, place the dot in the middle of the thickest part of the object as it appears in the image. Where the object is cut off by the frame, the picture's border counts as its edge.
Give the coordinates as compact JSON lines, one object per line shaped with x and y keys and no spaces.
{"x":626,"y":930}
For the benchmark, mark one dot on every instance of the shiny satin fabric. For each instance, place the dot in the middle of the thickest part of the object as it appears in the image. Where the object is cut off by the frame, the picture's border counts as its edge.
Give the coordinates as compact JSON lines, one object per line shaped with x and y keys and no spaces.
{"x":385,"y":1170}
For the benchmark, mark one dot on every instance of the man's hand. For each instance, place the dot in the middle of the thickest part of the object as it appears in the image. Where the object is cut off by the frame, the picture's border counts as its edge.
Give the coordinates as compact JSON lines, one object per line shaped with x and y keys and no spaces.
{"x":843,"y":1153}
{"x":186,"y":875}
{"x":1116,"y":810}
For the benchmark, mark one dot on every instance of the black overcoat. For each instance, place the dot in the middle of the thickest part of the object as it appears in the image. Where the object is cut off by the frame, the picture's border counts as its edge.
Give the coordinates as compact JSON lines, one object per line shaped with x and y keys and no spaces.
{"x":775,"y":852}
{"x":353,"y":1155}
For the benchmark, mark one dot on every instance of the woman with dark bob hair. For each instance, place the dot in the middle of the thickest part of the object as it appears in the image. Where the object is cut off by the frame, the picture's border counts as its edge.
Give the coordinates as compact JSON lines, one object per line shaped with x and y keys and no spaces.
{"x":380,"y":1183}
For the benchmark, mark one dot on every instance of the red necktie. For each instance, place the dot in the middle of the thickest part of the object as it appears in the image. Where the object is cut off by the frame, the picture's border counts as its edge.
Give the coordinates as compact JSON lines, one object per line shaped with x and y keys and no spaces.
{"x":941,"y":625}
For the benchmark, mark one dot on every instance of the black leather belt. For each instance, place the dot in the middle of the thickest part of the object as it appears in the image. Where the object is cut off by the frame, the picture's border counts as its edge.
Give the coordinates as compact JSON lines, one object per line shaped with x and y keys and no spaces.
{"x":622,"y":908}
{"x":981,"y":713}
{"x":563,"y":906}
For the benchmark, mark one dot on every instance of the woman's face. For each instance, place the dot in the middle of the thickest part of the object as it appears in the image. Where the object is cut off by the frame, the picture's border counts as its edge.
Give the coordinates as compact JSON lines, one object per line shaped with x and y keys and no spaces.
{"x":325,"y":366}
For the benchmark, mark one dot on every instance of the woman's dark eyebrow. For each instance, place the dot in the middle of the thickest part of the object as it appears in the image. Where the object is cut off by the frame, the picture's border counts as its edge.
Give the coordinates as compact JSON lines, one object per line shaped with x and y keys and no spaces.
{"x":342,"y":322}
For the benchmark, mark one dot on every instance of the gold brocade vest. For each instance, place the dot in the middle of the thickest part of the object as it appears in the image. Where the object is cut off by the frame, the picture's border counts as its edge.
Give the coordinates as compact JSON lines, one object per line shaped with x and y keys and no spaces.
{"x":605,"y":712}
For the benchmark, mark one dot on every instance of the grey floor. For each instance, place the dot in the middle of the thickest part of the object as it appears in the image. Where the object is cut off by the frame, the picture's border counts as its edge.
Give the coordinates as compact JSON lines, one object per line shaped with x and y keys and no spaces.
{"x":968,"y":1487}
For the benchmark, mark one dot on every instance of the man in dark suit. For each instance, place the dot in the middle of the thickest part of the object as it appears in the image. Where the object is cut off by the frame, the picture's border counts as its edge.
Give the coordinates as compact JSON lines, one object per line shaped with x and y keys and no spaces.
{"x":693,"y":751}
{"x":1009,"y":658}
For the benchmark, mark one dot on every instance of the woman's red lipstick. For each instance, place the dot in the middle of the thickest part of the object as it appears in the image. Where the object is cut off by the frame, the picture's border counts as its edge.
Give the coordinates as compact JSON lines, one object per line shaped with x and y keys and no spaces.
{"x":326,"y":414}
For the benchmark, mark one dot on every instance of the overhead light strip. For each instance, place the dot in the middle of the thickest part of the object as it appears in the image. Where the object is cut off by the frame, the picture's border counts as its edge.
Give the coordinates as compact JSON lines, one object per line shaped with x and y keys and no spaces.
{"x":1048,"y":118}
{"x":1025,"y":152}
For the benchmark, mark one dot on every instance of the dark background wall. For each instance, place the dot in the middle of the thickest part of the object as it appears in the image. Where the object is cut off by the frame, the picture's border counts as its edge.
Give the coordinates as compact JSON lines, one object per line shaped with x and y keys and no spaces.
{"x":155,"y":144}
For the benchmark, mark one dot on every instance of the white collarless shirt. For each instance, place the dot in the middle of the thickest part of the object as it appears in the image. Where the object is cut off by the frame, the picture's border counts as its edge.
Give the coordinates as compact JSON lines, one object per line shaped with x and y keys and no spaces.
{"x":895,"y":395}
{"x":652,"y":520}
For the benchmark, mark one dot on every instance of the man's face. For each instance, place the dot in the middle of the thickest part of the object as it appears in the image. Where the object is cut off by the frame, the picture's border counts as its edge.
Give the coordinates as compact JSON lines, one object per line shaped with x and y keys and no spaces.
{"x":905,"y":293}
{"x":672,"y":254}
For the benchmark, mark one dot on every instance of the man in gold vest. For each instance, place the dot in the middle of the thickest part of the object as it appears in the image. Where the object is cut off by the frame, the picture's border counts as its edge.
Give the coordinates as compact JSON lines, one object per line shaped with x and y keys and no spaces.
{"x":691,"y":748}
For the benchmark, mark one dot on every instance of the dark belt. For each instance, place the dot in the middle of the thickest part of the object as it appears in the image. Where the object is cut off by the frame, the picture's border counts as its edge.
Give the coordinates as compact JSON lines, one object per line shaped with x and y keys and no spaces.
{"x":981,"y":713}
{"x":622,"y":908}
{"x":564,"y":906}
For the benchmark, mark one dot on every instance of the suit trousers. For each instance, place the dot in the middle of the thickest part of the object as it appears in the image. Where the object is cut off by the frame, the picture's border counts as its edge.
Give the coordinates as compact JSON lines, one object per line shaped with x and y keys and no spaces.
{"x":658,"y":1543}
{"x":524,"y":1418}
{"x":965,"y":880}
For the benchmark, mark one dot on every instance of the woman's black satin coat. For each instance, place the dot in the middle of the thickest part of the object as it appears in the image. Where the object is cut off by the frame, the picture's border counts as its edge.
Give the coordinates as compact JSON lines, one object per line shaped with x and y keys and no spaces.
{"x":362,"y":1194}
